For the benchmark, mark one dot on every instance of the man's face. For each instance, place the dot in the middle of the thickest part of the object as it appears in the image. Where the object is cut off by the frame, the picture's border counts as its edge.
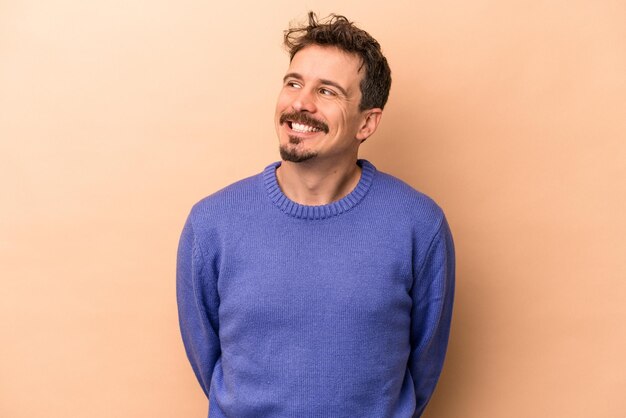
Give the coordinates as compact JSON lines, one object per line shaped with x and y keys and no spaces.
{"x":317,"y":113}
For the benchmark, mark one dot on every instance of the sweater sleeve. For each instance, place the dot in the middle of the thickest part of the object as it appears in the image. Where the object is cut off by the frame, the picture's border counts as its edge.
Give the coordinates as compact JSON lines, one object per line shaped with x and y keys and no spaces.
{"x":432,"y":294}
{"x":196,"y":294}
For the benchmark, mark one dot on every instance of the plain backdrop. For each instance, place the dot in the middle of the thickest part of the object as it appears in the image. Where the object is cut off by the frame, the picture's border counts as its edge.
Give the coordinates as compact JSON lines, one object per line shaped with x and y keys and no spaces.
{"x":117,"y":116}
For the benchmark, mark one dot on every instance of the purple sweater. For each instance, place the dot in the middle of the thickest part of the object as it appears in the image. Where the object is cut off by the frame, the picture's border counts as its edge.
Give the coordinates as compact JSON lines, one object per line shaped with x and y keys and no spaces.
{"x":340,"y":310}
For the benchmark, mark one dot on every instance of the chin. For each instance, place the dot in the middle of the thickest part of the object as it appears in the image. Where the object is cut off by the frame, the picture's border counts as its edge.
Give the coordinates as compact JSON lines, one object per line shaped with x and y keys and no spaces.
{"x":294,"y":156}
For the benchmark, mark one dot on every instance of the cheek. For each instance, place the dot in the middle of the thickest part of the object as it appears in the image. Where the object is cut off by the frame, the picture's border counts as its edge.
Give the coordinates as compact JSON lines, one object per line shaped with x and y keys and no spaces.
{"x":347,"y":119}
{"x":281,"y":107}
{"x":283,"y":100}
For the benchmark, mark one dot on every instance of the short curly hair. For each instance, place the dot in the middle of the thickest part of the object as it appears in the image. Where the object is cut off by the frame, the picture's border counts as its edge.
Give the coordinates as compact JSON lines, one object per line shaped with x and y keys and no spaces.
{"x":338,"y":31}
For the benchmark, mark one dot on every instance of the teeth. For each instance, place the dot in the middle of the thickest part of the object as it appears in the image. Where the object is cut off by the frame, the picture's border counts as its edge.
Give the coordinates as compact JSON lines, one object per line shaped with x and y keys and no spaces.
{"x":298,"y":127}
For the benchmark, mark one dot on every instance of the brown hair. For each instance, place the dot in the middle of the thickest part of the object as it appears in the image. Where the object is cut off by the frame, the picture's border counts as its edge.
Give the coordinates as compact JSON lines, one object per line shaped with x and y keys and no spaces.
{"x":338,"y":31}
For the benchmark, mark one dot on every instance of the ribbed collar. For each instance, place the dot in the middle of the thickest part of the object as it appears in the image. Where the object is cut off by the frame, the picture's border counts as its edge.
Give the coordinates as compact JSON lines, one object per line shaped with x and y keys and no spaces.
{"x":338,"y":207}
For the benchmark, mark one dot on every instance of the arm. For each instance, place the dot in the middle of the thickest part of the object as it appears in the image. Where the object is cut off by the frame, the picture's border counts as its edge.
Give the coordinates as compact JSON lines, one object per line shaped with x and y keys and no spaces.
{"x":432,"y":293}
{"x":196,"y":294}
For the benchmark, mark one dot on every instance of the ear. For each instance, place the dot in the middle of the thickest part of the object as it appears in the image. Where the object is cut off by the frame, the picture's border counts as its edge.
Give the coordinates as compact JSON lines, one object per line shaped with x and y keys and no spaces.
{"x":369,"y":124}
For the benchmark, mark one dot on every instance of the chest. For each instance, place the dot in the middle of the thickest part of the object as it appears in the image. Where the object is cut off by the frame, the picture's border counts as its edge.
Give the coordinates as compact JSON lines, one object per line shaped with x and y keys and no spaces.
{"x":315,"y":272}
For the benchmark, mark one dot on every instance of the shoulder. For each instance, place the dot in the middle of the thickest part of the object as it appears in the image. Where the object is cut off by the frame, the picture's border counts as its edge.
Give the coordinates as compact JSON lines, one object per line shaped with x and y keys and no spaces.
{"x":404,"y":201}
{"x":230,"y":195}
{"x":225,"y":203}
{"x":412,"y":213}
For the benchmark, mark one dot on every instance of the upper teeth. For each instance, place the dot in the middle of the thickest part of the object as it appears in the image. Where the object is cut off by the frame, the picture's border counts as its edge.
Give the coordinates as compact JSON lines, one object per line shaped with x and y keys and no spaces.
{"x":303,"y":128}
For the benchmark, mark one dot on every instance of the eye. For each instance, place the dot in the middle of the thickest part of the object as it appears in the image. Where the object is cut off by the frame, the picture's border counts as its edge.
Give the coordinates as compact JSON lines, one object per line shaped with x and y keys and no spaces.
{"x":327,"y":92}
{"x":293,"y":84}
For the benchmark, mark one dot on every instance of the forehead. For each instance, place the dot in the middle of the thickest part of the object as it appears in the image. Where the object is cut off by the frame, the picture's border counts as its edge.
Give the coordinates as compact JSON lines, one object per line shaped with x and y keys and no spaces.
{"x":327,"y":63}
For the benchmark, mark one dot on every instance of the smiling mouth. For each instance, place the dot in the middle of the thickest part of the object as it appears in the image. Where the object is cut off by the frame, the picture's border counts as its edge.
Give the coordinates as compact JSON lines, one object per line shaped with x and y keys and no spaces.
{"x":302,"y":123}
{"x":301,"y":128}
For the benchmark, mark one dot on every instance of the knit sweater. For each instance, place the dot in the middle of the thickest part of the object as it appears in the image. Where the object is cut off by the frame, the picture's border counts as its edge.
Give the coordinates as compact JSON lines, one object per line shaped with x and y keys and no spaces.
{"x":340,"y":310}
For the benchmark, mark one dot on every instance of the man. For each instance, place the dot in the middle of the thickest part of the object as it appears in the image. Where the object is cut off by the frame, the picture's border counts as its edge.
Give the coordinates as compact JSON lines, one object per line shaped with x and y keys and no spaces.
{"x":320,"y":287}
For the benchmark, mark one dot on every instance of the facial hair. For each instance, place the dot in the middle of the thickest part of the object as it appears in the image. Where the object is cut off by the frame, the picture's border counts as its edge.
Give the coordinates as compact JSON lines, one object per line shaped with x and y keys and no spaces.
{"x":291,"y":153}
{"x":304,"y":118}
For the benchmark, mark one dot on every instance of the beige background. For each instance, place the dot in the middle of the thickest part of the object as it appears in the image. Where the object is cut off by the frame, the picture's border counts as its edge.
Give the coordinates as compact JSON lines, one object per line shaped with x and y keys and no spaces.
{"x":115,"y":117}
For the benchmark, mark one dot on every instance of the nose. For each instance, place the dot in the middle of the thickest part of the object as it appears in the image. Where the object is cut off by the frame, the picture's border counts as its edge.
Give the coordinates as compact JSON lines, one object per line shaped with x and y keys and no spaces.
{"x":304,"y":101}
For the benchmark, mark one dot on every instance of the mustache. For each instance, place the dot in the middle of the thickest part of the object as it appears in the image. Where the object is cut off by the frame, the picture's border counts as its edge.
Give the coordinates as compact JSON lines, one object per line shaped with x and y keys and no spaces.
{"x":305,"y":119}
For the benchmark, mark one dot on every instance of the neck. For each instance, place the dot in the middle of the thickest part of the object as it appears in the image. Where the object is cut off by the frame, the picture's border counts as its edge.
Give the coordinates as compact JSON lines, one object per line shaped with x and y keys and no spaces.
{"x":314,"y":183}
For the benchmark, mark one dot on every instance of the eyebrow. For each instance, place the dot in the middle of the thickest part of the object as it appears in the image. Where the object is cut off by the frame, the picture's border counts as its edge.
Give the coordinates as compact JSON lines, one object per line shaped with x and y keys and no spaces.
{"x":323,"y":81}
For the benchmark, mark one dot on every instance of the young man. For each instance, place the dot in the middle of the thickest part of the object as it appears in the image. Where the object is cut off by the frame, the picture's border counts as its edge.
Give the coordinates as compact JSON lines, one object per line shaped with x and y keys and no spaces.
{"x":320,"y":287}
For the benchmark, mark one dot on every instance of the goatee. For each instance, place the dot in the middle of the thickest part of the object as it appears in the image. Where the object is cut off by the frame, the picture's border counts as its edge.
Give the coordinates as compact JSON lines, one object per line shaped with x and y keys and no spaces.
{"x":290,"y":153}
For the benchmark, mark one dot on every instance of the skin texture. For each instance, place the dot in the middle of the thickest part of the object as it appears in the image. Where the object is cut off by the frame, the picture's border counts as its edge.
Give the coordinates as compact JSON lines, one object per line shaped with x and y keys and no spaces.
{"x":321,"y":89}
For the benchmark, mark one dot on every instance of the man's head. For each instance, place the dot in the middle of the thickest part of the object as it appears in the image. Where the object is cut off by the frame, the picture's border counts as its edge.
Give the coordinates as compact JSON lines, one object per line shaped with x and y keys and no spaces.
{"x":339,"y":32}
{"x":333,"y":93}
